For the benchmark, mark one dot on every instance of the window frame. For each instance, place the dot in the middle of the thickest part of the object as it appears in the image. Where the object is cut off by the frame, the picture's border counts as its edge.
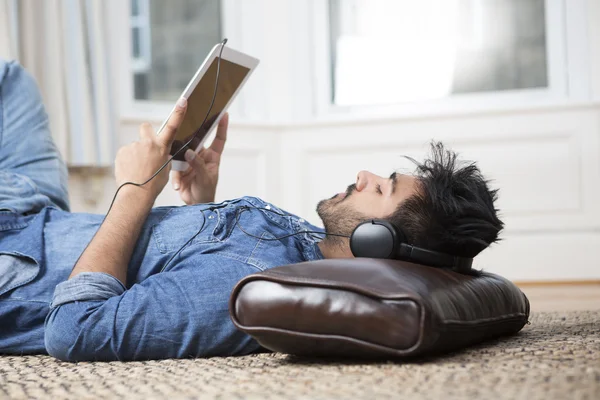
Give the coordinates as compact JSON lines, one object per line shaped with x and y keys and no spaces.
{"x":131,"y":109}
{"x":293,"y":51}
{"x":142,"y":23}
{"x":564,"y":26}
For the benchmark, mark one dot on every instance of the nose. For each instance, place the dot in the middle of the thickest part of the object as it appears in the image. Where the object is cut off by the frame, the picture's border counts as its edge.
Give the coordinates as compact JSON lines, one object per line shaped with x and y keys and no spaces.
{"x":364,"y":178}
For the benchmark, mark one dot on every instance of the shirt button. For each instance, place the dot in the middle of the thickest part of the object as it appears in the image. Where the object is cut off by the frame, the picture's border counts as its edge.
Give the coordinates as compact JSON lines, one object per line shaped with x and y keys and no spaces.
{"x":211,"y":216}
{"x":267,"y":207}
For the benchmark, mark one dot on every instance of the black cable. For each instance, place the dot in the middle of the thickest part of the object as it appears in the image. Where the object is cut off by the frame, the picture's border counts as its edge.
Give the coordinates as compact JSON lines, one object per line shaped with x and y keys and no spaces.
{"x":186,"y":243}
{"x":246,"y":208}
{"x":212,"y":103}
{"x":239,"y":211}
{"x":189,"y":141}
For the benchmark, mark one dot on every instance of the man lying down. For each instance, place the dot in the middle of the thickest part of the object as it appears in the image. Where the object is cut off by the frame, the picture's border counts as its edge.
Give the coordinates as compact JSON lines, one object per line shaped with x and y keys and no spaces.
{"x":81,"y":287}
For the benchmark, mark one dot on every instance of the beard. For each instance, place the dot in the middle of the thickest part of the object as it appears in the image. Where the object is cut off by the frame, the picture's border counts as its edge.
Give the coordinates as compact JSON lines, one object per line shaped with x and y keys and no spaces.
{"x":339,"y":217}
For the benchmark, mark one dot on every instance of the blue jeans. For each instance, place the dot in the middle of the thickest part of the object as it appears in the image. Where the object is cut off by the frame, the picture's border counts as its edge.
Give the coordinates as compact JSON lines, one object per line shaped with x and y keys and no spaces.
{"x":32,"y":172}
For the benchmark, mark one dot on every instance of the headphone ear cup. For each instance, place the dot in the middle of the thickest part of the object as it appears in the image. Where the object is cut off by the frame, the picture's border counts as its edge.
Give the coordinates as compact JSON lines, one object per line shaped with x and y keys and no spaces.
{"x":374,"y":239}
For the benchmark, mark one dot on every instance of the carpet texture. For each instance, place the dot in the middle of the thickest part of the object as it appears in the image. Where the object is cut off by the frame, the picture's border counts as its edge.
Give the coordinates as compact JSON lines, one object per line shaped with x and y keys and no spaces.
{"x":557,"y":356}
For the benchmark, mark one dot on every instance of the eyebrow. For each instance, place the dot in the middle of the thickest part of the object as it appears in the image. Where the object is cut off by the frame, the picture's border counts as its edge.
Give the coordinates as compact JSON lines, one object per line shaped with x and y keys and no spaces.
{"x":393,"y":177}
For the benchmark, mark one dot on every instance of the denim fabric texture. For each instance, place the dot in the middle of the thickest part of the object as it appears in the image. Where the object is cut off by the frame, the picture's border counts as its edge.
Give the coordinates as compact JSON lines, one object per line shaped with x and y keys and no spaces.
{"x":175,"y":312}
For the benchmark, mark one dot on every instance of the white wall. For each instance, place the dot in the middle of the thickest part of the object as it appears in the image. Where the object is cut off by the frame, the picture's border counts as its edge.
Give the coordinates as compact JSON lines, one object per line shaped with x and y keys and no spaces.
{"x":544,"y":158}
{"x":546,"y":164}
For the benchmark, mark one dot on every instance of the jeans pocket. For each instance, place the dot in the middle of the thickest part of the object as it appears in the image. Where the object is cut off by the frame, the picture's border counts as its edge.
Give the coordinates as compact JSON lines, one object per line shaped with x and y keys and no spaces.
{"x":263,"y":252}
{"x":20,"y":185}
{"x":18,"y":193}
{"x":16,"y":270}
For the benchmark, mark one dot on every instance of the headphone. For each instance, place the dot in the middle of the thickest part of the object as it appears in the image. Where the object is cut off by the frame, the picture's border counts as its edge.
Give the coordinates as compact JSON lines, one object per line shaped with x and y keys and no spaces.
{"x":378,"y":238}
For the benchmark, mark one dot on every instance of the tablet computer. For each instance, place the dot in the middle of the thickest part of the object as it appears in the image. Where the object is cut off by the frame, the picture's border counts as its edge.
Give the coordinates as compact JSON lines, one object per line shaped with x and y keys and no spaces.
{"x":236,"y":67}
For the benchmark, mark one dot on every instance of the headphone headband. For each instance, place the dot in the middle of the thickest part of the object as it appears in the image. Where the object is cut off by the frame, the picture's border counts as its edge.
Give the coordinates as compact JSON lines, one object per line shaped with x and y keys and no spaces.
{"x":433,"y":258}
{"x":380,"y":239}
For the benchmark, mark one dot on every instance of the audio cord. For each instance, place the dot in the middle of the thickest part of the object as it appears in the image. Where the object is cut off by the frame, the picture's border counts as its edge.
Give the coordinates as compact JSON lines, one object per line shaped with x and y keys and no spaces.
{"x":248,"y":208}
{"x":212,"y":103}
{"x":239,"y":210}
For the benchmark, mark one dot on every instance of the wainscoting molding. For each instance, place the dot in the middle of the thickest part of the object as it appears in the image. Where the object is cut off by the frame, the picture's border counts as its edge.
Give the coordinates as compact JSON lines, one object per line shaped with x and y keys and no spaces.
{"x":546,"y":164}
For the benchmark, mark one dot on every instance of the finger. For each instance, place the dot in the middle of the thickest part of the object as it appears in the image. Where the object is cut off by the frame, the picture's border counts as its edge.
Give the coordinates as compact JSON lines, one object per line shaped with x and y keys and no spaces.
{"x":187,"y":171}
{"x":180,"y":177}
{"x":205,"y":155}
{"x":176,"y":180}
{"x":167,"y":135}
{"x":146,"y":131}
{"x":194,"y":160}
{"x":189,"y":156}
{"x":218,"y":143}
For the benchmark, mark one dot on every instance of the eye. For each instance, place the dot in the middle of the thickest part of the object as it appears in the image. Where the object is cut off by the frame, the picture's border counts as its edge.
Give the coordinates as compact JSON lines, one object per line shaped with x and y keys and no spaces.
{"x":378,"y":189}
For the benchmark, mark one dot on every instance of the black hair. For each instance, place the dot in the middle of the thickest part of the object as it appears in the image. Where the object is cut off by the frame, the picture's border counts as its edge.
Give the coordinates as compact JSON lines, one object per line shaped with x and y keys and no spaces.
{"x":453,"y":211}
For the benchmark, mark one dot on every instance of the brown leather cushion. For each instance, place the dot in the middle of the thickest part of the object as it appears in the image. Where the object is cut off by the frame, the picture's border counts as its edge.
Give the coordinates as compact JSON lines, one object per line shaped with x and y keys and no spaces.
{"x":374,"y":308}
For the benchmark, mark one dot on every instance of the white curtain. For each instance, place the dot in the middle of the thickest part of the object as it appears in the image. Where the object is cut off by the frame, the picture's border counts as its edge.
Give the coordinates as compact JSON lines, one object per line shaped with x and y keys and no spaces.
{"x":63,"y":43}
{"x":8,"y":44}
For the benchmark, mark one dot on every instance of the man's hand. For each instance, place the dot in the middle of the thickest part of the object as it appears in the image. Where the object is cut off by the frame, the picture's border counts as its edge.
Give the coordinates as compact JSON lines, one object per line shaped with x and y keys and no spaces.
{"x":111,"y":247}
{"x":138,"y":161}
{"x":198,"y":183}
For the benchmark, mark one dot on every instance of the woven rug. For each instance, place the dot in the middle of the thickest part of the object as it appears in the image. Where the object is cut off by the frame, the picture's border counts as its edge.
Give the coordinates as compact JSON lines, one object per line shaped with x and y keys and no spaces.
{"x":557,"y":356}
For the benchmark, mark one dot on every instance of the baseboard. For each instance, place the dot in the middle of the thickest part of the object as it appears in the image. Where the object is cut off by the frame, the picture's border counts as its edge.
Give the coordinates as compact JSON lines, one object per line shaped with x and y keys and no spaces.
{"x":557,"y":283}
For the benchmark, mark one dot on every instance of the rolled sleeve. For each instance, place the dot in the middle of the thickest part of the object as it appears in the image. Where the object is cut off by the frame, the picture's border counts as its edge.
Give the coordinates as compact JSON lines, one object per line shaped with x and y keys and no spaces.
{"x":87,"y":286}
{"x":174,"y":314}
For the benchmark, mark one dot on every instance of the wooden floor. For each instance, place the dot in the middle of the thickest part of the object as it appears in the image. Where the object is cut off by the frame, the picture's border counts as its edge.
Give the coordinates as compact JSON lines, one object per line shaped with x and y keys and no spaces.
{"x":562,"y":297}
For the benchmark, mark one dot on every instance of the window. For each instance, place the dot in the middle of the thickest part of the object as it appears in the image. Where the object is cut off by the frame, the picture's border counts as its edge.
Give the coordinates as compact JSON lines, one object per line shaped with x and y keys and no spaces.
{"x":397,"y":51}
{"x":170,"y":39}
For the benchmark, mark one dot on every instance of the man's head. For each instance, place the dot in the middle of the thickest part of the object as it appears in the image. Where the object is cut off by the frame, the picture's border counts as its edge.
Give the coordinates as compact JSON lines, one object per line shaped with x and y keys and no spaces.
{"x":445,"y":206}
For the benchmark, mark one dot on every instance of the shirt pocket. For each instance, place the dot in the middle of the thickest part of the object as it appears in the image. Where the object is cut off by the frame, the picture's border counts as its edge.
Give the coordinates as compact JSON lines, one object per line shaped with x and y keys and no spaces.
{"x":180,"y":224}
{"x":16,"y":270}
{"x":264,"y":252}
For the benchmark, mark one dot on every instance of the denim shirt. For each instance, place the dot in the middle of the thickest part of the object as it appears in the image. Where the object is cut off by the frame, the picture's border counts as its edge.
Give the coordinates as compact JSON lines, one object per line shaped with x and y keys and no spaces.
{"x":174,"y":312}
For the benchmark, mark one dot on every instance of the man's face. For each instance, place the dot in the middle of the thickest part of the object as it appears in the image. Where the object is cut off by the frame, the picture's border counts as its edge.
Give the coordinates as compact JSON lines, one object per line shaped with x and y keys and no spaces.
{"x":372,"y":196}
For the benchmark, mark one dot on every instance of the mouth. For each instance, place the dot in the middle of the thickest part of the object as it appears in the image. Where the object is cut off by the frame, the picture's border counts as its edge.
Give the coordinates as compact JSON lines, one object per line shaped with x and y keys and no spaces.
{"x":344,"y":195}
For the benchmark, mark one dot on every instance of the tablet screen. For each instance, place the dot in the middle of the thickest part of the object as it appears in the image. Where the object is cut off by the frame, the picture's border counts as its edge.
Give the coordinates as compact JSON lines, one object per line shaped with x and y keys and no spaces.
{"x":231,"y":77}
